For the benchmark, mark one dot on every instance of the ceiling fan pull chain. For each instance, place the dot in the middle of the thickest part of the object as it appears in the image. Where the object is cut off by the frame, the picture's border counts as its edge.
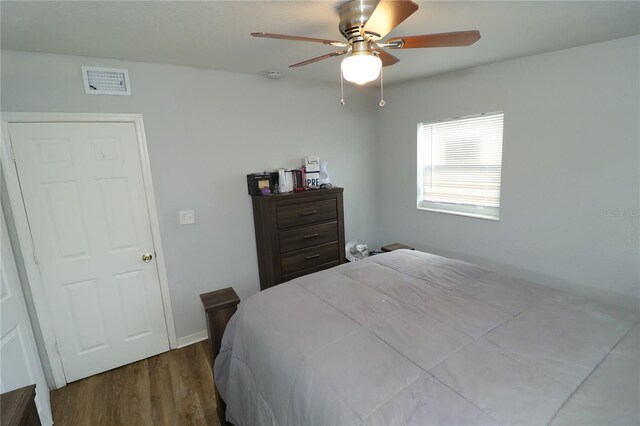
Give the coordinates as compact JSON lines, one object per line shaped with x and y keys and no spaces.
{"x":341,"y":88}
{"x":382,"y":102}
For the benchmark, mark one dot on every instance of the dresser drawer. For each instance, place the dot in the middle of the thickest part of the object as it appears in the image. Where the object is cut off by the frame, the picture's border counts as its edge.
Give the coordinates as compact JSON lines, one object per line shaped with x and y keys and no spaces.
{"x":307,"y":236}
{"x":309,"y":257}
{"x":306,"y":213}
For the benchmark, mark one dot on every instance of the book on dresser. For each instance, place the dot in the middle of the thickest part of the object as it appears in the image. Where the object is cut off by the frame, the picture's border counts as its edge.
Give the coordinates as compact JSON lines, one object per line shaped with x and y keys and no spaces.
{"x":298,"y":233}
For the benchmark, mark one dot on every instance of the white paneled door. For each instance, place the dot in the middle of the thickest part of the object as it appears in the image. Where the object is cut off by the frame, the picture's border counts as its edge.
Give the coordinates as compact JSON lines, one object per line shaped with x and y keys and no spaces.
{"x":83,"y":190}
{"x":19,"y":362}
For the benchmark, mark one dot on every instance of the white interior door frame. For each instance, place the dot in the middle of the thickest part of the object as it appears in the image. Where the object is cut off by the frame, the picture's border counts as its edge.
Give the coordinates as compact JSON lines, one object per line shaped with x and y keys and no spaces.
{"x":24,"y":232}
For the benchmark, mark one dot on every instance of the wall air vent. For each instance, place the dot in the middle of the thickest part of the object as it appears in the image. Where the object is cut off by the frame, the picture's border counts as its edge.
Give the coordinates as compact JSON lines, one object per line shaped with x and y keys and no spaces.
{"x":106,"y":81}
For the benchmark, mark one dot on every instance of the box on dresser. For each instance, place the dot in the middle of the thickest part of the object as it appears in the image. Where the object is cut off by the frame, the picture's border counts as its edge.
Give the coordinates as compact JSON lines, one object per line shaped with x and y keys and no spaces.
{"x":257,"y":181}
{"x":298,"y":234}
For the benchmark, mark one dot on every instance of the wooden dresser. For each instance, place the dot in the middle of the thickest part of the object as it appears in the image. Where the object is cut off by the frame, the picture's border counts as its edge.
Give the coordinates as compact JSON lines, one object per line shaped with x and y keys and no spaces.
{"x":298,"y":233}
{"x":19,"y":407}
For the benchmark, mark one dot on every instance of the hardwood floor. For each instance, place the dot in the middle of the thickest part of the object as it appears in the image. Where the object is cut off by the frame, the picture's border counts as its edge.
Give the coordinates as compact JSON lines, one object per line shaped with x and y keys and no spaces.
{"x":173,"y":388}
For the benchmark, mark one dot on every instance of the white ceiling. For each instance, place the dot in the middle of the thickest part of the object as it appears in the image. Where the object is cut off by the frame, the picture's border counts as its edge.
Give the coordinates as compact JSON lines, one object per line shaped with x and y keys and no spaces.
{"x":215,"y":34}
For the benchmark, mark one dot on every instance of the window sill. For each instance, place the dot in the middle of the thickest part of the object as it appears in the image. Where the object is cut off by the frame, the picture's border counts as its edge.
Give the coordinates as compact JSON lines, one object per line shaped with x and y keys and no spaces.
{"x":459,"y":213}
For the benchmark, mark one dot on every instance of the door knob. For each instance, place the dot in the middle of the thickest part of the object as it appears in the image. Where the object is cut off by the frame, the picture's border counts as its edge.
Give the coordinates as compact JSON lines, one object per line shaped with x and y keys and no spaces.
{"x":146,"y":258}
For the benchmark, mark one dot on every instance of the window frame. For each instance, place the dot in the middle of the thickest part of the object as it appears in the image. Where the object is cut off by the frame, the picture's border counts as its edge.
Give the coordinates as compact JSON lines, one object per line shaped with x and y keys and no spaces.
{"x":458,"y":209}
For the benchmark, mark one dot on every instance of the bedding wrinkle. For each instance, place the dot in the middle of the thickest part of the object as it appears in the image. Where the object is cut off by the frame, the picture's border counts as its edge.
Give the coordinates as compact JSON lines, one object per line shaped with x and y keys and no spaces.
{"x":562,"y":340}
{"x":325,"y":326}
{"x":635,"y":398}
{"x":305,"y":360}
{"x":232,"y":374}
{"x":419,"y":338}
{"x":515,"y":359}
{"x":472,"y":317}
{"x":243,"y":384}
{"x":465,"y":399}
{"x":390,"y":326}
{"x":386,"y":401}
{"x":510,"y":391}
{"x":503,"y":293}
{"x":308,"y":391}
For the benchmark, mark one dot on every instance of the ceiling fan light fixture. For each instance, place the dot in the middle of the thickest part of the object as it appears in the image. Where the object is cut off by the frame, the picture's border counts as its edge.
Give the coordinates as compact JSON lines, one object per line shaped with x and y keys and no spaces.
{"x":361,"y":67}
{"x":365,"y":24}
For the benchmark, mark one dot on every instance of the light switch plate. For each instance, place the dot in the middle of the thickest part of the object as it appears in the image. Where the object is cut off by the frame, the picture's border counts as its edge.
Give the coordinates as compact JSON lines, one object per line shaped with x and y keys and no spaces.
{"x":187,"y":217}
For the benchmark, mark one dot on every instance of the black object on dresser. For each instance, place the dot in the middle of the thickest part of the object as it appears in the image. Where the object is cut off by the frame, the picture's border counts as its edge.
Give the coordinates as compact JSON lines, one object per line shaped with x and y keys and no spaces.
{"x":298,"y":233}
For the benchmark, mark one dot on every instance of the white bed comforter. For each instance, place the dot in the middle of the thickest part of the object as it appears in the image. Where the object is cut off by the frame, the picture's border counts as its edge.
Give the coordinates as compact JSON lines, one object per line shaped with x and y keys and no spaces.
{"x":413,"y":338}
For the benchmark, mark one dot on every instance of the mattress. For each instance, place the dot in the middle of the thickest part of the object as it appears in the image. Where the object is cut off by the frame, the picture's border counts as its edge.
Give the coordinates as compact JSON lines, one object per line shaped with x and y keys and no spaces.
{"x":414,"y":338}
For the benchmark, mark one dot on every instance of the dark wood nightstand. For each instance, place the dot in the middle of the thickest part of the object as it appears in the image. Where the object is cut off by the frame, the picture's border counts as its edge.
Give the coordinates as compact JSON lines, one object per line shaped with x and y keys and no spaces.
{"x":219,"y":305}
{"x":395,"y":246}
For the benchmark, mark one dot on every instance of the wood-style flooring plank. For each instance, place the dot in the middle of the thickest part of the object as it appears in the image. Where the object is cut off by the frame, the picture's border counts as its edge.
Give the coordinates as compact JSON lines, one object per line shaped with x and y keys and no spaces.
{"x":96,"y":400}
{"x":188,"y":403}
{"x":203,"y":383}
{"x":133,"y":400}
{"x":161,"y":392}
{"x":173,"y":388}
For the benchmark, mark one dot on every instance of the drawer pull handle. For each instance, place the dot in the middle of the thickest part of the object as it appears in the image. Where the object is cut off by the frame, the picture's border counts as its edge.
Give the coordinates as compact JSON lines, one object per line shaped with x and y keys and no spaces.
{"x":306,"y":237}
{"x":313,"y":256}
{"x":310,"y":212}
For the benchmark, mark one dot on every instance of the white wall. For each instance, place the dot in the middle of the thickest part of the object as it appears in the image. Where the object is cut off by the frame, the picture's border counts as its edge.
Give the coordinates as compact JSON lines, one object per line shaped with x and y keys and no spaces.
{"x":570,"y":154}
{"x":206,"y":130}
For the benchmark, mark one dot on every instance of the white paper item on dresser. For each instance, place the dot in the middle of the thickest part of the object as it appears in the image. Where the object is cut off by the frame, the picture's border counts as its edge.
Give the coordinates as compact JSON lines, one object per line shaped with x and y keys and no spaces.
{"x":285,"y":181}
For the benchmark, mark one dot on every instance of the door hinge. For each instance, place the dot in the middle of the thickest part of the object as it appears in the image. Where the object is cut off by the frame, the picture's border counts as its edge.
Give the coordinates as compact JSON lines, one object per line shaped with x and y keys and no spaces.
{"x":13,"y":154}
{"x":35,"y":258}
{"x":55,"y":345}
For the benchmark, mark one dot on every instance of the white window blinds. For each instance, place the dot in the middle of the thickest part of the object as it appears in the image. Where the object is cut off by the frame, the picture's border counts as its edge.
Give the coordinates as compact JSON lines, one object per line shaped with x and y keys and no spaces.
{"x":459,"y":165}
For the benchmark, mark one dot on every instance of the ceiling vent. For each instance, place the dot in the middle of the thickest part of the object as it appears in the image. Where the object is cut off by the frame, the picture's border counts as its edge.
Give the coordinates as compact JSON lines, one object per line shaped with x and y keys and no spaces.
{"x":106,"y":81}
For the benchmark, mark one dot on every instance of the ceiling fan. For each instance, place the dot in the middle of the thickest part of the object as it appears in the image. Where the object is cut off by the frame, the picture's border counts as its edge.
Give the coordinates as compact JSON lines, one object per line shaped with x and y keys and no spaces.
{"x":364,"y":23}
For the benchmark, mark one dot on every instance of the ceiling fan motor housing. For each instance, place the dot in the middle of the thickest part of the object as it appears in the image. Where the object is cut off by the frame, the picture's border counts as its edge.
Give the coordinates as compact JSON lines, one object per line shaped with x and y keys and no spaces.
{"x":353,"y":15}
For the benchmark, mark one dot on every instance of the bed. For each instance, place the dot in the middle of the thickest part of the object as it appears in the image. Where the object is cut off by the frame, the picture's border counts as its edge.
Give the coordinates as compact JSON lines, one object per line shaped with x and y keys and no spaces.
{"x":414,"y":338}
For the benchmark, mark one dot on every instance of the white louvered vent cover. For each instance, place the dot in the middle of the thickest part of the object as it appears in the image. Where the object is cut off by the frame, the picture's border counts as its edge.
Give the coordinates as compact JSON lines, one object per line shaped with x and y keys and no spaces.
{"x":106,"y":81}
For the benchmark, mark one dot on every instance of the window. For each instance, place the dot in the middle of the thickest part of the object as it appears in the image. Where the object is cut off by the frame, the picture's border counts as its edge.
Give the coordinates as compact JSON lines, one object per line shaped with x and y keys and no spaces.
{"x":459,"y":165}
